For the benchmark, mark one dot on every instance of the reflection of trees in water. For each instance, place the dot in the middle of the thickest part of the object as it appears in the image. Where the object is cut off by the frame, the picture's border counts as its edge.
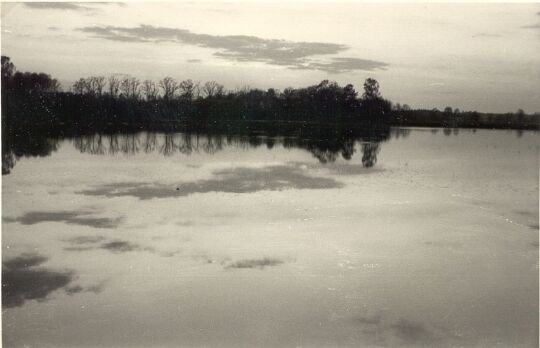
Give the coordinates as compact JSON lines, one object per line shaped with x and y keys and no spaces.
{"x":400,"y":132}
{"x":168,"y":147}
{"x":90,"y":144}
{"x":114,"y":145}
{"x":17,"y":145}
{"x":327,"y":145}
{"x":369,"y":154}
{"x":169,"y":144}
{"x":150,"y":142}
{"x":130,"y":144}
{"x":8,"y":161}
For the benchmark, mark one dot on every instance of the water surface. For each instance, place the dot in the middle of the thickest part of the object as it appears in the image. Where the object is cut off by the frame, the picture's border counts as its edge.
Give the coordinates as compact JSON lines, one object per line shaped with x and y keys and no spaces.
{"x":425,"y":237}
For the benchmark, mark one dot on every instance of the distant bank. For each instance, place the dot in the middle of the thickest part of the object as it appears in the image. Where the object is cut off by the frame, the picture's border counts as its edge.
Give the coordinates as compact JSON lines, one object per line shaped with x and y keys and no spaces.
{"x":36,"y":101}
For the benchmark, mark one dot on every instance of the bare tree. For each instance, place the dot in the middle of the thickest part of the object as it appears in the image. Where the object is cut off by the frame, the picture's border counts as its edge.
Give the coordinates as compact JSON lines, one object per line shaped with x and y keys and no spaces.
{"x":197,"y":90}
{"x":187,"y":89}
{"x":130,"y":87}
{"x":150,"y":90}
{"x":84,"y":86}
{"x":114,"y":86}
{"x":169,"y":86}
{"x":124,"y":87}
{"x":212,"y":88}
{"x":134,"y":87}
{"x":97,"y":84}
{"x":79,"y":86}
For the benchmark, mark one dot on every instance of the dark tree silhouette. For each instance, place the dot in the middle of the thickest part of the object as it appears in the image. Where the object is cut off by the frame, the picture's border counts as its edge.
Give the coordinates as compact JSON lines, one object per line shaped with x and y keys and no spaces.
{"x":371,"y":89}
{"x":7,"y":69}
{"x":169,"y":86}
{"x":33,"y":105}
{"x":369,"y":154}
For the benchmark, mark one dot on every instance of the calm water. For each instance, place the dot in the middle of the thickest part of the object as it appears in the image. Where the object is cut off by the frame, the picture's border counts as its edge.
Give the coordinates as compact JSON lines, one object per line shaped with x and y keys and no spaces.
{"x":427,"y":239}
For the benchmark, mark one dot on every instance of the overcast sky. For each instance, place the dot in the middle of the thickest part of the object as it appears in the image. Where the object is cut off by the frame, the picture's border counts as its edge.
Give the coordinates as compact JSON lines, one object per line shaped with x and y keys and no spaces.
{"x":484,"y":56}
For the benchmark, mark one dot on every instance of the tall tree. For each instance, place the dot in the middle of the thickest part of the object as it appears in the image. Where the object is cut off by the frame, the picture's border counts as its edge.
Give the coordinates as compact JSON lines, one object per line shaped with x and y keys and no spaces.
{"x":114,"y":86}
{"x":169,"y":86}
{"x":371,"y":89}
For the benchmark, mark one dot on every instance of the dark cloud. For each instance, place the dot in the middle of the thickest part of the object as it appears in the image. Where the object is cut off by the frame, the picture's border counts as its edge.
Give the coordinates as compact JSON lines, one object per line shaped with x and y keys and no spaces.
{"x":193,"y":60}
{"x":255,"y":263}
{"x":532,"y":26}
{"x":76,"y":289}
{"x":413,"y":333}
{"x":57,"y":6}
{"x":24,"y":261}
{"x":22,"y":280}
{"x":527,"y":213}
{"x":237,"y":180}
{"x":85,"y":243}
{"x":69,"y":217}
{"x":86,"y":239}
{"x":243,"y":48}
{"x":380,"y":331}
{"x":70,"y":6}
{"x":340,"y":65}
{"x":120,"y":246}
{"x":121,"y":4}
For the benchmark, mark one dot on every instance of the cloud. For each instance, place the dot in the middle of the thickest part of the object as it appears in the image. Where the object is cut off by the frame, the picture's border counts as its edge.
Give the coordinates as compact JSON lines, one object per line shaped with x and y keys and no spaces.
{"x":85,"y":243}
{"x":120,"y":246}
{"x":25,"y":261}
{"x":22,"y":281}
{"x":76,"y":289}
{"x":236,"y":180}
{"x":341,"y":65}
{"x":70,"y":6}
{"x":379,"y":331}
{"x":57,"y":6}
{"x":413,"y":333}
{"x":256,"y":263}
{"x":86,"y":239}
{"x":243,"y":48}
{"x":121,"y":4}
{"x":69,"y":217}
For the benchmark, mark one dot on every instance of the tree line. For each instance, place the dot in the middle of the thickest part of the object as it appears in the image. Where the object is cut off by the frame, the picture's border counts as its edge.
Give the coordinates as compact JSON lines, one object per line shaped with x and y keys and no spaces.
{"x":125,"y":102}
{"x":115,"y":101}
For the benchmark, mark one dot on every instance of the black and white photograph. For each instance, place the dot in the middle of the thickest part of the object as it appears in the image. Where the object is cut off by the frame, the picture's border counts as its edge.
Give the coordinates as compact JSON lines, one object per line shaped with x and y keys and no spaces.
{"x":270,"y":174}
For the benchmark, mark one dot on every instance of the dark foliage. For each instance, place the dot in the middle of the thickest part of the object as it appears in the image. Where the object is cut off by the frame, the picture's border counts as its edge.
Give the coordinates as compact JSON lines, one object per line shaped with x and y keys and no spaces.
{"x":325,"y":119}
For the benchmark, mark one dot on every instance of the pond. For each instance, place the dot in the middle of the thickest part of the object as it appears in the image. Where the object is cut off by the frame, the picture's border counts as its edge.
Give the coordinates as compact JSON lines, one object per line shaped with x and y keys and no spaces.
{"x":426,"y":237}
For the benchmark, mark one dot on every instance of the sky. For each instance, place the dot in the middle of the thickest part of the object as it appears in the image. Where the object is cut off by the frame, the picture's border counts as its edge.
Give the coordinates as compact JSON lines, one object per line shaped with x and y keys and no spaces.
{"x":483,"y":57}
